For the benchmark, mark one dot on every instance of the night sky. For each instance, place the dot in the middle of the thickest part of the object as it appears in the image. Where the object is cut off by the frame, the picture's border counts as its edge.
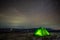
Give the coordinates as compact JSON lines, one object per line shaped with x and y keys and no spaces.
{"x":29,"y":13}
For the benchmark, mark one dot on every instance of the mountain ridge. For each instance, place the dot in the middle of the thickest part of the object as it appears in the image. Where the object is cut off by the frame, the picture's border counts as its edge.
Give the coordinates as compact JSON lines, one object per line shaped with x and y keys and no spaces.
{"x":25,"y":30}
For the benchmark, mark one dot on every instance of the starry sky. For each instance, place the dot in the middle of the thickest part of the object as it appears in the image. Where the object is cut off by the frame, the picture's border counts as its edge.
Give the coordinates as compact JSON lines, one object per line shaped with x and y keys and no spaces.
{"x":29,"y":13}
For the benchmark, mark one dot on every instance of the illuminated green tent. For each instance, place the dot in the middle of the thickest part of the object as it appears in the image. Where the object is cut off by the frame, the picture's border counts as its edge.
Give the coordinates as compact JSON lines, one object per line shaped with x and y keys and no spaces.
{"x":41,"y":32}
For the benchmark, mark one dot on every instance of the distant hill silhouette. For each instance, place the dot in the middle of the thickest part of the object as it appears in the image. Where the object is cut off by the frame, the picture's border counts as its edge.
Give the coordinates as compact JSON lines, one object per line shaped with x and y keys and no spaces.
{"x":24,"y":30}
